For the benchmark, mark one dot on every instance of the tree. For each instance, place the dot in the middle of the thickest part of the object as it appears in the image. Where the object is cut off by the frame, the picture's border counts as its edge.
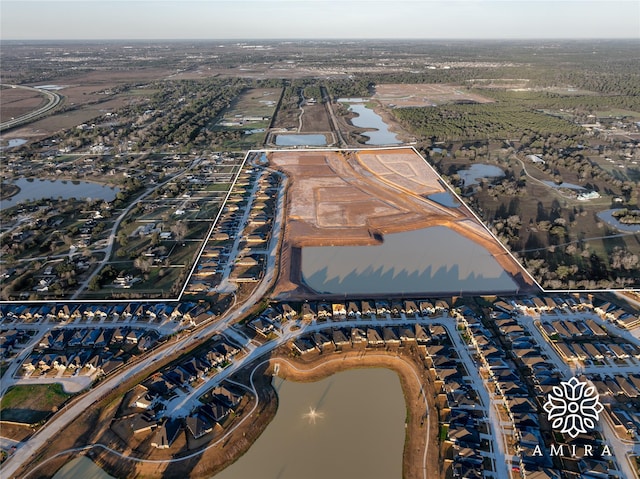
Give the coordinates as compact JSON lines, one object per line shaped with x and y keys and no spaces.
{"x":179,"y":229}
{"x":142,"y":263}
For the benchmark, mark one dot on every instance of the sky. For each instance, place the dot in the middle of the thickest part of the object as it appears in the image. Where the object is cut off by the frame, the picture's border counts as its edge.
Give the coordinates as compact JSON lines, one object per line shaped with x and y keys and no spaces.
{"x":296,"y":19}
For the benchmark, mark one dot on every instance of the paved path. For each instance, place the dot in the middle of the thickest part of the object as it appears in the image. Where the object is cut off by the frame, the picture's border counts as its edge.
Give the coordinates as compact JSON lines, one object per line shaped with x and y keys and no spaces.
{"x":621,"y":449}
{"x":112,"y":234}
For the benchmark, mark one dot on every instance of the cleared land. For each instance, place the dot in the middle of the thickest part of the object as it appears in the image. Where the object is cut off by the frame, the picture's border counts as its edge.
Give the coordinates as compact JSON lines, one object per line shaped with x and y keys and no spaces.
{"x":253,"y":108}
{"x":353,"y":198}
{"x":413,"y":95}
{"x":15,"y":102}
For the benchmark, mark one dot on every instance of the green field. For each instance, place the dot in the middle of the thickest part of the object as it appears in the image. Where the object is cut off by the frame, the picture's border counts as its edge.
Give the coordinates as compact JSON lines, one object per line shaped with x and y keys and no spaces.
{"x":32,"y":404}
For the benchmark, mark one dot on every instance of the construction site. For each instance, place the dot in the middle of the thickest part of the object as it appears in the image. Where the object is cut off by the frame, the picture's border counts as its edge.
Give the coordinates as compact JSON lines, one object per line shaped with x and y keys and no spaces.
{"x":357,"y":197}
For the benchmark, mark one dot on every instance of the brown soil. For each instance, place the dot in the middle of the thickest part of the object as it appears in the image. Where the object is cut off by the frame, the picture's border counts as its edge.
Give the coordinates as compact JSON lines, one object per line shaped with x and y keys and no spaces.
{"x":315,"y":119}
{"x":356,"y":197}
{"x":15,"y":102}
{"x":15,"y":431}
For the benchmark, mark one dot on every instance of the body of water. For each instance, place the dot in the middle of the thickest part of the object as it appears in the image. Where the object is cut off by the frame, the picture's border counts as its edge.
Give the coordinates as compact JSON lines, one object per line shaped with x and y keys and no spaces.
{"x":445,"y":199}
{"x":301,"y":140}
{"x":358,"y":430}
{"x":569,"y":186}
{"x":607,"y":217}
{"x":13,"y":142}
{"x":38,"y":189}
{"x":429,"y":260}
{"x":368,"y":118}
{"x":477,"y":171}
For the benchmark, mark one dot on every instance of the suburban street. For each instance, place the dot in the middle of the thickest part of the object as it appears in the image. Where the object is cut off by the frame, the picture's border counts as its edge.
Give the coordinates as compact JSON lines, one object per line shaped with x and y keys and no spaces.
{"x":107,"y":250}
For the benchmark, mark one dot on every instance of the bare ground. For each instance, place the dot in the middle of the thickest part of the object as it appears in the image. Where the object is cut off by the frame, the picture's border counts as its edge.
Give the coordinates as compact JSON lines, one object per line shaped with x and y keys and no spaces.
{"x":340,"y":198}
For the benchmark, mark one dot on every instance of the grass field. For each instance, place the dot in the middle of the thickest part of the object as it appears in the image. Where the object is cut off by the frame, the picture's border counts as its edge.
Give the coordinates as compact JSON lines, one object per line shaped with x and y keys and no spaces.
{"x":253,"y":103}
{"x":33,"y":403}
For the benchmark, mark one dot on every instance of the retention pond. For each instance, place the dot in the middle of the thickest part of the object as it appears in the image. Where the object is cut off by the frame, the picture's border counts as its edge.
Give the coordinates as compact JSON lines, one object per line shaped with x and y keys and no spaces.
{"x":38,"y":189}
{"x":348,"y":425}
{"x":430,"y":260}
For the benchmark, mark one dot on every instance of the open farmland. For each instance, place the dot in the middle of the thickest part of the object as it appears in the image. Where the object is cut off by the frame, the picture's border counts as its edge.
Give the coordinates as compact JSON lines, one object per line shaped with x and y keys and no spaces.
{"x":15,"y":102}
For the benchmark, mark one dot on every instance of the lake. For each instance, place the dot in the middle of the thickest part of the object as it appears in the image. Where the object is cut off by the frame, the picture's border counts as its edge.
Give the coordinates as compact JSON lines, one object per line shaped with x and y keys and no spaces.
{"x":607,"y":217}
{"x":38,"y":189}
{"x":477,"y":171}
{"x":368,"y":118}
{"x":359,"y":431}
{"x":12,"y":143}
{"x":301,"y":140}
{"x":430,"y":260}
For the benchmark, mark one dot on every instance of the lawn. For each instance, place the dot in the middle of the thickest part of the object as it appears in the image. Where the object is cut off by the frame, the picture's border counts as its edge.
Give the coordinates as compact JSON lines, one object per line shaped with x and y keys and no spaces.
{"x":33,"y":403}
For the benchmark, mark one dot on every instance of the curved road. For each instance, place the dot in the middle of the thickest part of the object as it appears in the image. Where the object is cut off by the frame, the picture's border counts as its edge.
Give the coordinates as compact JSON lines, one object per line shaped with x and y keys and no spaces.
{"x":112,"y":235}
{"x":53,"y":100}
{"x":244,"y":419}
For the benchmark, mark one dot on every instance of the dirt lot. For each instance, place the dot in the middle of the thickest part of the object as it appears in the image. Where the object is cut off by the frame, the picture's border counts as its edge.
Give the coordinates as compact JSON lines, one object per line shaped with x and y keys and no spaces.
{"x":315,"y":119}
{"x":414,"y":95}
{"x":354,"y":198}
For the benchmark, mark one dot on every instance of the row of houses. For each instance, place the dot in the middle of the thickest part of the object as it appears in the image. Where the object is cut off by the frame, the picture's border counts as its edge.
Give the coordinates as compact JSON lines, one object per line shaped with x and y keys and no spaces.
{"x":13,"y":340}
{"x":87,"y":362}
{"x":508,"y":370}
{"x":321,"y":310}
{"x":214,"y":413}
{"x":87,"y":351}
{"x":508,"y":385}
{"x":461,"y":416}
{"x":372,"y":337}
{"x":230,"y":227}
{"x":249,"y":264}
{"x":585,"y":340}
{"x":187,"y":313}
{"x":69,"y":338}
{"x":197,"y":367}
{"x":570,"y":303}
{"x":144,"y":415}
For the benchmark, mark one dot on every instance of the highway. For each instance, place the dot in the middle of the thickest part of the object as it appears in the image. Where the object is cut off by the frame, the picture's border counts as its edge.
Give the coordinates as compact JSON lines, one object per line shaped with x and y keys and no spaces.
{"x":53,"y":100}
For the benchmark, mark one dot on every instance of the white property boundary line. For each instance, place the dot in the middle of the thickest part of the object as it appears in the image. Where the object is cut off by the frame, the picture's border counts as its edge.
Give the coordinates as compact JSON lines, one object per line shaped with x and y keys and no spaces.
{"x":213,"y":225}
{"x":303,"y":149}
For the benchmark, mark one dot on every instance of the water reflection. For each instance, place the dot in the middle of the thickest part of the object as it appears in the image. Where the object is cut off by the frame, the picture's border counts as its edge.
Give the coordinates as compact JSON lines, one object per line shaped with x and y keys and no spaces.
{"x":434,"y":260}
{"x":607,"y":217}
{"x":39,"y":189}
{"x":477,"y":171}
{"x":367,"y":118}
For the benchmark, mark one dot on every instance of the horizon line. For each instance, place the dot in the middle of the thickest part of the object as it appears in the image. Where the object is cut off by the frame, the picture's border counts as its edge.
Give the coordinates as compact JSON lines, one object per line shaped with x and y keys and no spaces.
{"x":332,"y":39}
